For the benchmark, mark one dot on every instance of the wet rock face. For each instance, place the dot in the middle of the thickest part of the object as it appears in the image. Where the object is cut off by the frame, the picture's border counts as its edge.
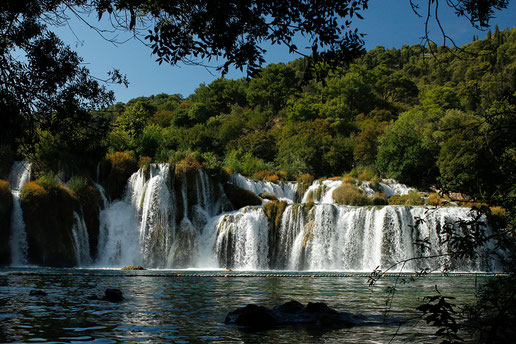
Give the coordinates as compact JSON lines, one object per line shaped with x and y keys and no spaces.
{"x":49,"y":219}
{"x":6,"y":202}
{"x":314,"y":316}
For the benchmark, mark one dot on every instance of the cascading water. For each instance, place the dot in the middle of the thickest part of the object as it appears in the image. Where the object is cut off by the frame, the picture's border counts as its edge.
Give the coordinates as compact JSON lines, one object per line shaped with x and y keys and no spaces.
{"x":18,"y":176}
{"x":157,"y":226}
{"x":166,"y":221}
{"x":364,"y":238}
{"x":145,"y":228}
{"x":119,"y":239}
{"x":285,"y":191}
{"x":242,"y":240}
{"x":81,"y":241}
{"x":321,"y":191}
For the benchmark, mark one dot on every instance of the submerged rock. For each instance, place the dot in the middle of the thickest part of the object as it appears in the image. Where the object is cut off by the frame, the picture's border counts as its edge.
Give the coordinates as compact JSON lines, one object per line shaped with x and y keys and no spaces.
{"x":133,"y":267}
{"x":37,"y":293}
{"x":292,"y":313}
{"x":113,"y":295}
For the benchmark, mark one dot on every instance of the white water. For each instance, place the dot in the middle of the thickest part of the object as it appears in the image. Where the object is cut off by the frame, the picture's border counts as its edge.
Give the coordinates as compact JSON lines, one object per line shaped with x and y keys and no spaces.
{"x":81,"y":241}
{"x":364,"y":238}
{"x":285,"y":191}
{"x":18,"y":176}
{"x":142,"y":230}
{"x":242,"y":240}
{"x":321,"y":191}
{"x":148,"y":227}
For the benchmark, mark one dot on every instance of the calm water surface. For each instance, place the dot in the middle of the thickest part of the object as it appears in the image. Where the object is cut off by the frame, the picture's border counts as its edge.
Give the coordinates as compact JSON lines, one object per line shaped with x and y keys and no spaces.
{"x":160,"y":307}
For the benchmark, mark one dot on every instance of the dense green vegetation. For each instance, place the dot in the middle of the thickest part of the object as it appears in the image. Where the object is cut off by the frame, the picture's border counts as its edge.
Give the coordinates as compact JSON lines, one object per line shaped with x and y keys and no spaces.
{"x":425,"y":116}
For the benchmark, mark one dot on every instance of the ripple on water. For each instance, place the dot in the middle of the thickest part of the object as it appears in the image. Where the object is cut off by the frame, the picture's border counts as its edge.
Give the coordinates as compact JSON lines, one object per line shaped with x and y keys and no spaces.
{"x":191,"y":310}
{"x":80,"y":329}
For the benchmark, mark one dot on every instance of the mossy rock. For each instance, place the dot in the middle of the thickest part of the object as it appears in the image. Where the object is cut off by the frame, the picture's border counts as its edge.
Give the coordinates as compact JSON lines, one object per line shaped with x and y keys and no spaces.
{"x":303,"y":183}
{"x":186,"y":177}
{"x":239,"y":197}
{"x":349,"y":195}
{"x":117,"y":168}
{"x":274,"y":212}
{"x":307,"y":207}
{"x":266,"y":195}
{"x":378,"y":199}
{"x":6,"y":203}
{"x":133,"y":267}
{"x":49,"y":220}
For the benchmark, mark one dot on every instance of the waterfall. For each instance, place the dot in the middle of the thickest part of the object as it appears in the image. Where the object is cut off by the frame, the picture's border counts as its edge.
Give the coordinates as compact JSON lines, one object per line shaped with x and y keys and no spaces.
{"x":242,"y":240}
{"x":145,"y":228}
{"x":292,"y":222}
{"x":166,"y":223}
{"x":285,"y":191}
{"x":391,"y":187}
{"x":18,"y":176}
{"x":363,"y":238}
{"x":119,"y":237}
{"x":102,"y":194}
{"x":157,"y":226}
{"x":81,"y":241}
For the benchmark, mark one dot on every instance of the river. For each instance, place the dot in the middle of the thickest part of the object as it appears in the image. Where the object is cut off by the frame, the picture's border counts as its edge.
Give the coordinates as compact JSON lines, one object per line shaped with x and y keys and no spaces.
{"x":190,"y":306}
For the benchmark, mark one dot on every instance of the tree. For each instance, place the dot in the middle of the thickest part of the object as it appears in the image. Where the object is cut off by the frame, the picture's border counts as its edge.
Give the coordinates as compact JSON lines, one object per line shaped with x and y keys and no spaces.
{"x":43,"y":86}
{"x":273,"y":87}
{"x":407,"y":150}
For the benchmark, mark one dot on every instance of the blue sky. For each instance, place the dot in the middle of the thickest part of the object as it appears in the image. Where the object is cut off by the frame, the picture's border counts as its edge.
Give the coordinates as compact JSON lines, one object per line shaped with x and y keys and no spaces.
{"x":390,"y":23}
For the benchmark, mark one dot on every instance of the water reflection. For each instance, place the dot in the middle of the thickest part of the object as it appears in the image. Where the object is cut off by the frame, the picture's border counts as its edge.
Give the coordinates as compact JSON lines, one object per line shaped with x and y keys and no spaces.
{"x":192,"y":309}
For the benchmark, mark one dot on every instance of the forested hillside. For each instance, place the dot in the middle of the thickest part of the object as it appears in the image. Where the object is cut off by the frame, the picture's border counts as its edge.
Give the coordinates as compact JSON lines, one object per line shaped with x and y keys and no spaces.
{"x":423,"y":115}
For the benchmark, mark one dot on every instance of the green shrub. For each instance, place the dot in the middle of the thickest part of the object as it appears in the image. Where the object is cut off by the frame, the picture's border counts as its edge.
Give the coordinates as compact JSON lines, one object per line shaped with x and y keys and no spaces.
{"x":365,"y":173}
{"x":49,"y":181}
{"x":245,"y":163}
{"x":412,"y":199}
{"x":349,"y":195}
{"x":144,"y":162}
{"x":189,"y":164}
{"x":434,"y":199}
{"x":78,"y":183}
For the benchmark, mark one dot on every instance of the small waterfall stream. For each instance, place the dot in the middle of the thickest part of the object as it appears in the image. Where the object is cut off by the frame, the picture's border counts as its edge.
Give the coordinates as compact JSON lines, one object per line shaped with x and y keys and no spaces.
{"x":81,"y":241}
{"x":18,"y":176}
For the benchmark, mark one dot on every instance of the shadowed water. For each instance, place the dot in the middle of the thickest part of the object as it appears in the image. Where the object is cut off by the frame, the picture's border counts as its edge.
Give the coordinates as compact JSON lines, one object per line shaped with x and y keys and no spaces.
{"x":161,"y":307}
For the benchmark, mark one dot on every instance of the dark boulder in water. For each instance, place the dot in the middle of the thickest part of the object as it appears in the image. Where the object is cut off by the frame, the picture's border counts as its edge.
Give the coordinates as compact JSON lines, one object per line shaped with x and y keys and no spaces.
{"x":113,"y":295}
{"x":37,"y":293}
{"x":314,"y":316}
{"x":252,"y":316}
